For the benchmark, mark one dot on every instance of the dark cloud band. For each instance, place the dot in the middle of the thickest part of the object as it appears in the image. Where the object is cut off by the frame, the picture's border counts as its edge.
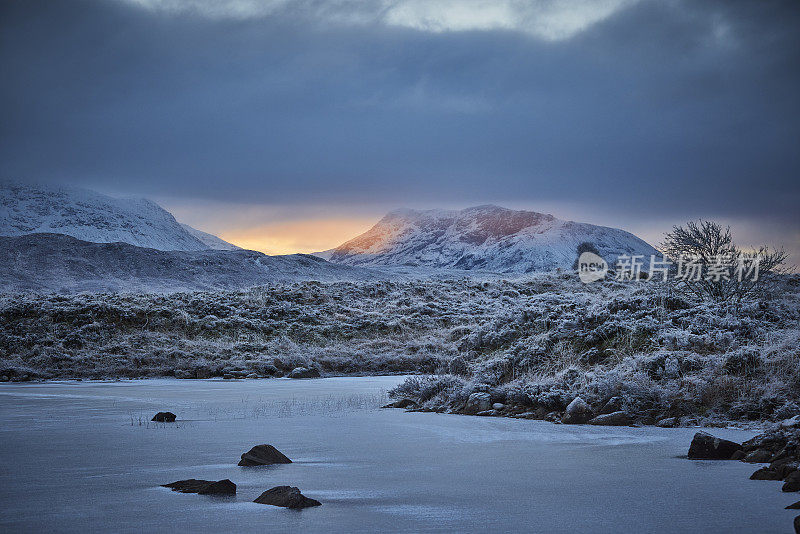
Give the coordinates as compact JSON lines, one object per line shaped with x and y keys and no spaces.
{"x":672,"y":107}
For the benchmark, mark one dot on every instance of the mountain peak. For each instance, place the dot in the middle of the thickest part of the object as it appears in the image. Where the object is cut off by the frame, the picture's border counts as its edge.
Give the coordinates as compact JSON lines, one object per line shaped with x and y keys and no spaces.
{"x":90,"y":216}
{"x":486,"y":237}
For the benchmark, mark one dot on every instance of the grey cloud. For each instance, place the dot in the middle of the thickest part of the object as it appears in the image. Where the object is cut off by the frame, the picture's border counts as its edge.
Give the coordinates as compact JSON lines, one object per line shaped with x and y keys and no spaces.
{"x":685,"y":108}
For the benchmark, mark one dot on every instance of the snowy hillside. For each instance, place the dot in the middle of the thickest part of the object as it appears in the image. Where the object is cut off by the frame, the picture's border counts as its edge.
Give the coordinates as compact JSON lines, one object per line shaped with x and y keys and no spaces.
{"x":488,"y":238}
{"x":90,"y":216}
{"x":63,"y":264}
{"x":210,"y":240}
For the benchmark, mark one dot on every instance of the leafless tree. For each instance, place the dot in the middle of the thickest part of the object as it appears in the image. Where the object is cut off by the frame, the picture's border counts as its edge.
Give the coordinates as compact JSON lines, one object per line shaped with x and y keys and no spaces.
{"x":708,"y":245}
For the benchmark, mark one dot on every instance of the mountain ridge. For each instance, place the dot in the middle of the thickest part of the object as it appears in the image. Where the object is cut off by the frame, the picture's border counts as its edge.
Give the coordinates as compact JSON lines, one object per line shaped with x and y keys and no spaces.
{"x":210,"y":240}
{"x":58,"y":263}
{"x":486,"y":237}
{"x":90,"y":216}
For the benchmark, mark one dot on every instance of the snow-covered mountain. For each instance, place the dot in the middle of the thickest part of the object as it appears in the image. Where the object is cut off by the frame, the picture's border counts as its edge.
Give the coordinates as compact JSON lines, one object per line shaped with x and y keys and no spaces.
{"x":210,"y":240}
{"x":90,"y":216}
{"x":488,"y":238}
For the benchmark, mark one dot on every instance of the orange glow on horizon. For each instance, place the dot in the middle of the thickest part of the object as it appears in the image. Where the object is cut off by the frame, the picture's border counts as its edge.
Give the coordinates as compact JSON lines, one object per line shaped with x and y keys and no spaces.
{"x":292,"y":237}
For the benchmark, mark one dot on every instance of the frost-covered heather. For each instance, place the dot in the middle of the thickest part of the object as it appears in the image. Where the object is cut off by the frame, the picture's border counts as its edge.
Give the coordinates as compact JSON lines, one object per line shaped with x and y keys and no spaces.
{"x":532,"y":344}
{"x":621,"y":347}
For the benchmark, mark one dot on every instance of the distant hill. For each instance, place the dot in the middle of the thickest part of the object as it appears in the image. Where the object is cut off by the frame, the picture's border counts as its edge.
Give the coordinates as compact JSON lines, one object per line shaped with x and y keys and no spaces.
{"x":63,"y":264}
{"x":488,"y":238}
{"x":90,"y":216}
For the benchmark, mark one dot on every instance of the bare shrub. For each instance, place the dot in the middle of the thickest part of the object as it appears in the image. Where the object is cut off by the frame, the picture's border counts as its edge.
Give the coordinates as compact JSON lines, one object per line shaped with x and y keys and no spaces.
{"x":707,"y":243}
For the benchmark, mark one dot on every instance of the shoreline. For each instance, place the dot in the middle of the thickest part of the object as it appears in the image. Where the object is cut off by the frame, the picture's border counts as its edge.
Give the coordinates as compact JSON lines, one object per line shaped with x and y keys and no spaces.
{"x":521,"y":414}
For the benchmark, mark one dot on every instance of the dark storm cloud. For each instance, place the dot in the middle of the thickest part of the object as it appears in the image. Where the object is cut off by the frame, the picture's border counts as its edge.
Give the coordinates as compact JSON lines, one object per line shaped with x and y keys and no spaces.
{"x":672,"y":107}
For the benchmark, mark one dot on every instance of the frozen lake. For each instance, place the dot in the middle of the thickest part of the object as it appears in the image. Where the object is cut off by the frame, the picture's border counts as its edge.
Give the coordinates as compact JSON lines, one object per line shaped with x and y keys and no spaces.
{"x":80,"y":456}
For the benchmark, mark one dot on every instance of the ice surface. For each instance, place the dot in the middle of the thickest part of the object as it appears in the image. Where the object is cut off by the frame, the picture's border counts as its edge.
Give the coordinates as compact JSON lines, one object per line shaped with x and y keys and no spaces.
{"x":77,"y":459}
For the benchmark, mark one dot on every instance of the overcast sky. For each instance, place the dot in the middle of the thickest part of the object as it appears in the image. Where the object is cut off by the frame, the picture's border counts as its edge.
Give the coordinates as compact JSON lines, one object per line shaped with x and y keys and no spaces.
{"x":290,"y":124}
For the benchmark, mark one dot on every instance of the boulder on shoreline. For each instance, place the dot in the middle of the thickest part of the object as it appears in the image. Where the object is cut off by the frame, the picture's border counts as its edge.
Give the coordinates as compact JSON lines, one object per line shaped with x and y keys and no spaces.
{"x":758,"y":456}
{"x":782,"y":444}
{"x":792,"y":482}
{"x":287,"y":497}
{"x":667,"y":422}
{"x":707,"y":447}
{"x":612,"y":419}
{"x":766,"y":473}
{"x":478,"y":402}
{"x":303,"y":372}
{"x":263,"y":455}
{"x":203,"y":487}
{"x":614,"y":404}
{"x":578,"y":412}
{"x":784,"y":467}
{"x":164,"y":417}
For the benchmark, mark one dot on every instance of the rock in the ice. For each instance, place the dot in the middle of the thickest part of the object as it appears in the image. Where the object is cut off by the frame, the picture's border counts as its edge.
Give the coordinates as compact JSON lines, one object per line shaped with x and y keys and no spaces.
{"x":220,"y":487}
{"x":498,"y":406}
{"x":263,"y":455}
{"x":286,"y":496}
{"x":203,"y":487}
{"x":164,"y":417}
{"x":303,"y":372}
{"x":191,"y":485}
{"x":612,"y":419}
{"x":795,"y":506}
{"x":707,"y":447}
{"x":578,"y":411}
